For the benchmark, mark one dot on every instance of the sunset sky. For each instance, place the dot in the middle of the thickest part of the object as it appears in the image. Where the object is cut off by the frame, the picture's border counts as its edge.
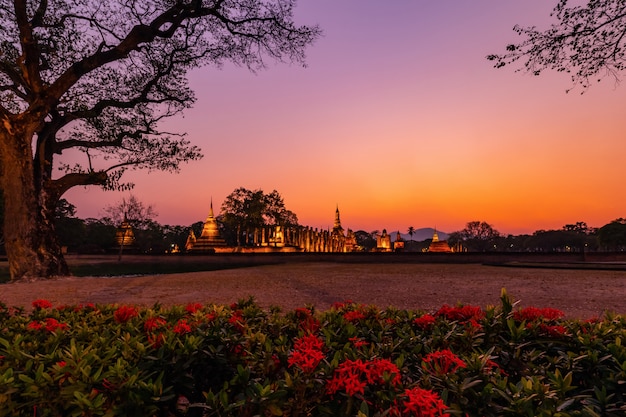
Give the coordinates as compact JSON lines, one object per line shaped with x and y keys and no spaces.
{"x":400,"y":120}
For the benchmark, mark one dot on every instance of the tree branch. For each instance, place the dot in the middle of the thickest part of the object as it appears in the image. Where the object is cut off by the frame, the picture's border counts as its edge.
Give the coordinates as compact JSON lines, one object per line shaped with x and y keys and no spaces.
{"x":73,"y":179}
{"x":29,"y":61}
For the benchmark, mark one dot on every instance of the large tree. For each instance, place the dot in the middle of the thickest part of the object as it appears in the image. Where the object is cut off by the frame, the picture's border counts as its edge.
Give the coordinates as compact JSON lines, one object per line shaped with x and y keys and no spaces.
{"x":244,"y":210}
{"x":89,"y":78}
{"x":588,"y":42}
{"x":477,"y":236}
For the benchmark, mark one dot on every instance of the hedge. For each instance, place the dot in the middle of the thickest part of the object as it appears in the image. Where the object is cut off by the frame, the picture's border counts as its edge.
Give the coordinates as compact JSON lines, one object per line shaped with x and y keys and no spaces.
{"x":350,"y":360}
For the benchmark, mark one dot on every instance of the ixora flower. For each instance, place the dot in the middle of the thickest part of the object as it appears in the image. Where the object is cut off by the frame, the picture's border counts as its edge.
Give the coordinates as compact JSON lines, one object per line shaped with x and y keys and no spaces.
{"x":50,"y":325}
{"x":353,"y":377}
{"x":182,"y":327}
{"x":462,"y":314}
{"x":153,"y":323}
{"x":237,"y":320}
{"x":191,"y":308}
{"x":354,"y":316}
{"x":424,"y":403}
{"x":538,"y":314}
{"x":307,"y":353}
{"x":442,"y":362}
{"x":41,"y":304}
{"x":125,"y":313}
{"x":425,"y":322}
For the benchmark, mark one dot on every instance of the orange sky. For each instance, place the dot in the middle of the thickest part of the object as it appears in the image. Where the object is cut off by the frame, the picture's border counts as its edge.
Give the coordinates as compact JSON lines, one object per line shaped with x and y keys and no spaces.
{"x":401,"y":121}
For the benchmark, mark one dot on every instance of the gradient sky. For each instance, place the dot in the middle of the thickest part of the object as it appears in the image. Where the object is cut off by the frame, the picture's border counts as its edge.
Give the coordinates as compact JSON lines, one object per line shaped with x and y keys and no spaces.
{"x":400,"y":120}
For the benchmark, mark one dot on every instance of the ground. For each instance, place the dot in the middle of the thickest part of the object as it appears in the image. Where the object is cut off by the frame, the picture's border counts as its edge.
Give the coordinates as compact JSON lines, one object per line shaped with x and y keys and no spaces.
{"x":580,"y":294}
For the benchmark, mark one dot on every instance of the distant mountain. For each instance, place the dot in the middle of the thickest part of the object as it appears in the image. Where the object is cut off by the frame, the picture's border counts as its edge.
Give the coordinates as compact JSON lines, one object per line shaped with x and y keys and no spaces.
{"x":419,"y":234}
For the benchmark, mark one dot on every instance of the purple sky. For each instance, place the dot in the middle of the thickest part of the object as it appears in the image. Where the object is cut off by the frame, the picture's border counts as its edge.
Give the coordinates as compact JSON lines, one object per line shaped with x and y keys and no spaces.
{"x":401,"y":121}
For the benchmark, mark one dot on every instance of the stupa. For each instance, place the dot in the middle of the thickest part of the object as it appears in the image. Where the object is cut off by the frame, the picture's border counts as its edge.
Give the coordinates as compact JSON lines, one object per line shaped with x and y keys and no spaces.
{"x":439,"y":246}
{"x":398,"y":245}
{"x":124,"y":235}
{"x":383,"y":242}
{"x":209,"y":239}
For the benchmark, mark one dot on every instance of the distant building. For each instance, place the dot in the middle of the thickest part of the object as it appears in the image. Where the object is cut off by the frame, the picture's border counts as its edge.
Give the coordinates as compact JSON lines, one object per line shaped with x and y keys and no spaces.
{"x":209,"y":240}
{"x":439,"y":246}
{"x":383,"y":242}
{"x":124,"y":235}
{"x":398,"y":245}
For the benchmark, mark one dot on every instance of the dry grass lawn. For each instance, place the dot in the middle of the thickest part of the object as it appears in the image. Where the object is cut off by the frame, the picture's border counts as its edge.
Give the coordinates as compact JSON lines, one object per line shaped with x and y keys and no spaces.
{"x":580,"y":294}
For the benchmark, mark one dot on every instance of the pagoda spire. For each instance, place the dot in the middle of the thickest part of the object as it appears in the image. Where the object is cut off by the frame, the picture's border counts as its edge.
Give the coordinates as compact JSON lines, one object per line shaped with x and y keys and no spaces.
{"x":337,"y":220}
{"x":211,"y":208}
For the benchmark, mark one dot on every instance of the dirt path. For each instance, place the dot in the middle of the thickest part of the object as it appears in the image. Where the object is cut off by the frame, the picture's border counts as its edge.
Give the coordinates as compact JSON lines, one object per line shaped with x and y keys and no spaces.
{"x":581,"y":294}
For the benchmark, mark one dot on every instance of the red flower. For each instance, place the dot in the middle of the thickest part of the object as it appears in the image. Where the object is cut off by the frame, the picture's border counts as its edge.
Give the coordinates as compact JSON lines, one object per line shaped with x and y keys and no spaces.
{"x":41,"y":304}
{"x":153,"y":323}
{"x":442,"y":362}
{"x":306,"y":360}
{"x":125,"y":313}
{"x":237,"y":320}
{"x":461,"y":313}
{"x":156,"y":340}
{"x":423,"y":403}
{"x":191,"y":308}
{"x":307,"y":353}
{"x":354,"y":376}
{"x":425,"y":322}
{"x":34,"y":325}
{"x":182,"y":327}
{"x":357,"y":342}
{"x":554,"y":331}
{"x":381,"y":370}
{"x":354,"y":316}
{"x":342,"y":304}
{"x":52,"y":325}
{"x":536,"y":314}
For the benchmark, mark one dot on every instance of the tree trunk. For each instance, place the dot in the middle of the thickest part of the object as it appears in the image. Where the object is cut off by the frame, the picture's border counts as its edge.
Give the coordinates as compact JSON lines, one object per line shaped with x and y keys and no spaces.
{"x":30,"y":239}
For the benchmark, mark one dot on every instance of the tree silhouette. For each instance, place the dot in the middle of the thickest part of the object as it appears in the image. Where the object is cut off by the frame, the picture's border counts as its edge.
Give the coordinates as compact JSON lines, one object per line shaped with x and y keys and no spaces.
{"x":587,"y":42}
{"x":95,"y":79}
{"x":411,"y":231}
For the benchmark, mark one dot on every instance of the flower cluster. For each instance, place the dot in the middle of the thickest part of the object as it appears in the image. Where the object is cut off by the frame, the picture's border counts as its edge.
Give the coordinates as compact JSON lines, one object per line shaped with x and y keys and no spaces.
{"x":41,"y":304}
{"x":243,"y":361}
{"x":182,"y":327}
{"x":422,"y":402}
{"x":307,"y":353}
{"x":124,"y":313}
{"x":530,"y":314}
{"x":461,"y":314}
{"x":425,"y":322}
{"x":442,"y":362}
{"x":192,"y":308}
{"x":50,"y":325}
{"x":237,"y":320}
{"x":353,"y":377}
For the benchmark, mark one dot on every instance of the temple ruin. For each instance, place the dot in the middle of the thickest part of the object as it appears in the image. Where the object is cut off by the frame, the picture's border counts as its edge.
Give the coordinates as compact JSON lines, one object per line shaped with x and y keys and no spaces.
{"x":273,"y":239}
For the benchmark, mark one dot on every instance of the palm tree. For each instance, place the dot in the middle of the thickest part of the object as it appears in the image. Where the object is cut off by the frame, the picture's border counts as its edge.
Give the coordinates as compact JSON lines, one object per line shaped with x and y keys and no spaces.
{"x":411,"y":231}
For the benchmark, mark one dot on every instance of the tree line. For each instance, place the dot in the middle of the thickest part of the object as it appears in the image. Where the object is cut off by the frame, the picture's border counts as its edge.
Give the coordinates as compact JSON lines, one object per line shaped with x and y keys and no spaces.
{"x":245,"y":209}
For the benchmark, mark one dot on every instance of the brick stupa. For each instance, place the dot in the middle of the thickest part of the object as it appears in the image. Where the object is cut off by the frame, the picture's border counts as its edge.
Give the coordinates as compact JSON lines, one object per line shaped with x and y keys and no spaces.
{"x":209,"y":239}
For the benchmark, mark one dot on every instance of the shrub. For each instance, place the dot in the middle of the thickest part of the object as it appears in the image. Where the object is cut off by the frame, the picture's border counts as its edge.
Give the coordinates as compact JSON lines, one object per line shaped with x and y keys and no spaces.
{"x":351,"y":360}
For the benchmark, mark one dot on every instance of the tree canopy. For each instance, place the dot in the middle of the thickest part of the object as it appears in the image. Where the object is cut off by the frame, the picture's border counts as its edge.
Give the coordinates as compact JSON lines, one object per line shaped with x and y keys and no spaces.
{"x":248,"y":209}
{"x":587,"y":42}
{"x":92,"y":81}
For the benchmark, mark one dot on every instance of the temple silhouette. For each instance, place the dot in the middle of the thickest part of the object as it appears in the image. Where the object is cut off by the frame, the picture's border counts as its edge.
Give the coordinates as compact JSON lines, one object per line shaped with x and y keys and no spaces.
{"x":273,"y":238}
{"x":277,"y":238}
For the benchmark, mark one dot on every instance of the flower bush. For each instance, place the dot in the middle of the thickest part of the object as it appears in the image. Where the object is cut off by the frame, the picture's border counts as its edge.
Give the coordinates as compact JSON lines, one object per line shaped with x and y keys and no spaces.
{"x":350,"y":360}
